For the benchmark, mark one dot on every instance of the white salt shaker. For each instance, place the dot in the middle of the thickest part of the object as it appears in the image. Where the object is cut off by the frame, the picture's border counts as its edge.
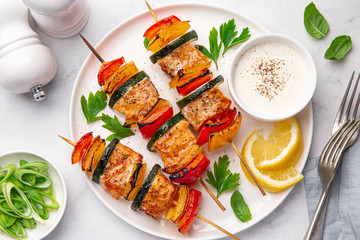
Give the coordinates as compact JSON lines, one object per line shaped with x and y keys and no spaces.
{"x":59,"y":18}
{"x":25,"y":63}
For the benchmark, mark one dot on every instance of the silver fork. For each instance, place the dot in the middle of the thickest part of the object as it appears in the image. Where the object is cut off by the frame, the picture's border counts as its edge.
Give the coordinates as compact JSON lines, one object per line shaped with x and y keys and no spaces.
{"x":344,"y":133}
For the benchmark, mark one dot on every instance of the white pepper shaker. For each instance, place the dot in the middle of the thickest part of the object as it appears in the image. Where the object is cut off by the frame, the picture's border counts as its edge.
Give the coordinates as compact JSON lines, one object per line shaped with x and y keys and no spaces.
{"x":25,"y":63}
{"x":59,"y":18}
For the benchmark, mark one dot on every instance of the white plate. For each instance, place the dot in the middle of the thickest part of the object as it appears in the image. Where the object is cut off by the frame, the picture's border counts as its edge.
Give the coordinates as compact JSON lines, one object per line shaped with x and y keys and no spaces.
{"x":55,"y":216}
{"x":126,"y":40}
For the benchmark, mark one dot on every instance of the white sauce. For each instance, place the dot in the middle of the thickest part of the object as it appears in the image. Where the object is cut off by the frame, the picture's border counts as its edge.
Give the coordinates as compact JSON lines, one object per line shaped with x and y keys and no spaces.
{"x":270,"y":78}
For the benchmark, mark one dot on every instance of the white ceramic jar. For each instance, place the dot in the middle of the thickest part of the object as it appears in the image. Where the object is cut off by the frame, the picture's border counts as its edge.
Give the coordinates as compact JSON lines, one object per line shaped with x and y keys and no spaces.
{"x":25,"y":63}
{"x":59,"y":18}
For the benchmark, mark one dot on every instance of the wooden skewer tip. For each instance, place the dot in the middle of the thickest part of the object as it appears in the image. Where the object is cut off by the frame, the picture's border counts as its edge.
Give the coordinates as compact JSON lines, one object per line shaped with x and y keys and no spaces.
{"x":217,"y":227}
{"x":152,"y":12}
{"x":67,"y":140}
{"x":97,"y":55}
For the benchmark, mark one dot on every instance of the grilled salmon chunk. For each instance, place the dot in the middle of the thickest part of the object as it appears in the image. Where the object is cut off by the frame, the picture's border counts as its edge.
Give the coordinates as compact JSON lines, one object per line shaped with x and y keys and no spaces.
{"x":177,"y":147}
{"x":137,"y":101}
{"x":182,"y":58}
{"x":117,"y":178}
{"x":159,"y":196}
{"x":205,"y":106}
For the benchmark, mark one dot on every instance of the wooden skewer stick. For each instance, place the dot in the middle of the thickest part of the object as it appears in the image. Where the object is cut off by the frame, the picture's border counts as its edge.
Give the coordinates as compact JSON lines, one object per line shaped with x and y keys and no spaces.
{"x":152,"y":12}
{"x":217,"y":227}
{"x":248,"y":169}
{"x":198,"y":216}
{"x":97,"y":55}
{"x":212,"y":195}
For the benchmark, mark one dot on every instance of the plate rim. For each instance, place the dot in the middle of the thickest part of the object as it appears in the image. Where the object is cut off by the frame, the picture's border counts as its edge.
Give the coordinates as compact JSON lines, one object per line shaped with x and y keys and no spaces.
{"x":144,"y":14}
{"x":62,"y":208}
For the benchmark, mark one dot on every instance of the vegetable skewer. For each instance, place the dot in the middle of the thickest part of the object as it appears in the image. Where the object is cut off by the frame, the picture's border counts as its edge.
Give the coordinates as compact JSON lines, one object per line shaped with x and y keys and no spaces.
{"x":230,"y":140}
{"x":203,"y":184}
{"x":183,"y":220}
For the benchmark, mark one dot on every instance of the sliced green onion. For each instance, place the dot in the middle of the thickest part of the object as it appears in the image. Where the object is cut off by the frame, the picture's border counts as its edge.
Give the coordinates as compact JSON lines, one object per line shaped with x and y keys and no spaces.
{"x":27,"y":223}
{"x":26,"y":196}
{"x":36,"y":166}
{"x":19,"y":233}
{"x":9,"y":169}
{"x":44,"y":181}
{"x":4,"y":208}
{"x":7,"y":188}
{"x":28,"y":211}
{"x":22,"y":162}
{"x":7,"y":220}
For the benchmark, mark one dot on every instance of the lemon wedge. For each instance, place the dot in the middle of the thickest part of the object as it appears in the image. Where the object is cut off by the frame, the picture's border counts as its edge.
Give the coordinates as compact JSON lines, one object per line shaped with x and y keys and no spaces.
{"x":281,"y":149}
{"x":272,"y":158}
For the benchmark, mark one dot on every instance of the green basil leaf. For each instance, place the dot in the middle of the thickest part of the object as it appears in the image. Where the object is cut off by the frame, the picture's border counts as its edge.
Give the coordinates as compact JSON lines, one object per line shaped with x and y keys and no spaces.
{"x":240,"y":207}
{"x":315,"y":24}
{"x":339,"y":47}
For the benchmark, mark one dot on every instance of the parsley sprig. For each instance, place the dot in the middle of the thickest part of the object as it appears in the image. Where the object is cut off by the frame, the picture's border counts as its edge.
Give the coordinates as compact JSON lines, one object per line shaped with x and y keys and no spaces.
{"x":93,"y":105}
{"x":223,"y":179}
{"x":228,"y":40}
{"x":113,"y":125}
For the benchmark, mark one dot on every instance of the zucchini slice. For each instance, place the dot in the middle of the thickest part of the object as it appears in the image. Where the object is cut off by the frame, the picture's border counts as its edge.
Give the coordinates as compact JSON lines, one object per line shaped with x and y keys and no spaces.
{"x":124,"y":88}
{"x":144,"y":188}
{"x":200,"y":90}
{"x":100,"y":167}
{"x":172,"y":46}
{"x":162,"y":130}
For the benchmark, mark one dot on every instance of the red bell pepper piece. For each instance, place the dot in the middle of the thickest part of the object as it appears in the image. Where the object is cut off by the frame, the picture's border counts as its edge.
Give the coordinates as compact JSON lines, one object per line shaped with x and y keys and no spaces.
{"x":81,"y":147}
{"x":192,"y":208}
{"x":216,"y":123}
{"x":149,"y":126}
{"x":107,"y":69}
{"x":151,"y":31}
{"x":191,"y":172}
{"x":187,"y":86}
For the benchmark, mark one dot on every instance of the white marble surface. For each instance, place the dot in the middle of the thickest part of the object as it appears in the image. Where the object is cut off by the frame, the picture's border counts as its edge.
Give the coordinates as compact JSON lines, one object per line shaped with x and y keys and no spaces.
{"x":34,"y":126}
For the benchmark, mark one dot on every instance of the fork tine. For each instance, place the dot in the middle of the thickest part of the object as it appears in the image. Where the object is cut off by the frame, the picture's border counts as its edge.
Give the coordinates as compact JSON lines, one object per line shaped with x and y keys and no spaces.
{"x":328,"y":148}
{"x":338,"y":143}
{"x":340,"y":114}
{"x":348,"y":109}
{"x":341,"y":147}
{"x":357,"y":101}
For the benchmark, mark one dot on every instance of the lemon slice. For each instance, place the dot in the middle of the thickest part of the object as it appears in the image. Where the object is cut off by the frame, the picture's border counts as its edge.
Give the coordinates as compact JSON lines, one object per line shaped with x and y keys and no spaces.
{"x":271,"y":159}
{"x":274,"y":181}
{"x":281,"y":149}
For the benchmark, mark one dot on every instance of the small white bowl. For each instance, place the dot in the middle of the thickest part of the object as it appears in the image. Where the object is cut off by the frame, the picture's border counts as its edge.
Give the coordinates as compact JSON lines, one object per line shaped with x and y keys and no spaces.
{"x":40,"y":231}
{"x":295,"y":105}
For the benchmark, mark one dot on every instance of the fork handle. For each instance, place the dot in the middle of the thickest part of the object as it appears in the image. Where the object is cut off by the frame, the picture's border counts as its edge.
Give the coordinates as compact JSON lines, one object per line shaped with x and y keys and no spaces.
{"x":315,"y":230}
